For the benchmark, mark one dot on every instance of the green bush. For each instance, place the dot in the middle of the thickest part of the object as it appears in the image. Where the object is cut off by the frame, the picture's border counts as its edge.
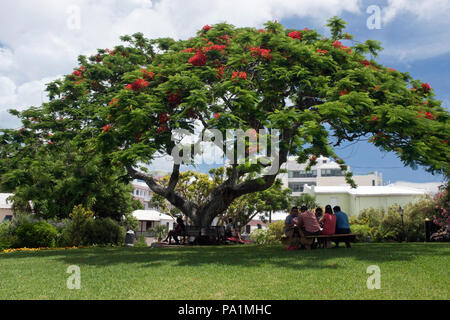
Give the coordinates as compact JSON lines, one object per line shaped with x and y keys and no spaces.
{"x":35,"y":235}
{"x":276,"y":230}
{"x":104,"y":232}
{"x":7,"y":238}
{"x":75,"y":234}
{"x":141,"y":243}
{"x":266,"y":236}
{"x":381,"y":226}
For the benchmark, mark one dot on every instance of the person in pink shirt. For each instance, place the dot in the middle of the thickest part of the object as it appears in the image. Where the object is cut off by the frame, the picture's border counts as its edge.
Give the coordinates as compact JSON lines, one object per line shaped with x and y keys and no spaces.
{"x":329,"y":221}
{"x":307,"y":221}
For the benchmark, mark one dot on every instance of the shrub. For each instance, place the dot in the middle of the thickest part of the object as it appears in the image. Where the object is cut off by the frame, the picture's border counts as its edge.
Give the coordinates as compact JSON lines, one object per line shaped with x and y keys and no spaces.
{"x":159,"y":231}
{"x":104,"y":232}
{"x":276,"y":229}
{"x":35,"y":235}
{"x":7,"y":238}
{"x":141,"y":243}
{"x":266,"y":236}
{"x":75,"y":233}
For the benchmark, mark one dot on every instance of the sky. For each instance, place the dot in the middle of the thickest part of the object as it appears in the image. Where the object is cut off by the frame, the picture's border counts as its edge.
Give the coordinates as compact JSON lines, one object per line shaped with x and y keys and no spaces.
{"x":41,"y":39}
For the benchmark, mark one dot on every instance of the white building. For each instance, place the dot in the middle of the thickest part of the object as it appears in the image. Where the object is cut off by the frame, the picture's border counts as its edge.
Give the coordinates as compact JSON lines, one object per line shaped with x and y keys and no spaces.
{"x":352,"y":201}
{"x":6,"y":211}
{"x":150,"y":218}
{"x":324,"y":173}
{"x":142,"y":193}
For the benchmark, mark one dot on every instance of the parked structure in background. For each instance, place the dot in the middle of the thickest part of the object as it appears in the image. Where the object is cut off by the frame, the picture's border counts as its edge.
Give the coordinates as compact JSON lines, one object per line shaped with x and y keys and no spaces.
{"x":6,"y":210}
{"x":324,"y":173}
{"x":352,"y":201}
{"x":150,"y":218}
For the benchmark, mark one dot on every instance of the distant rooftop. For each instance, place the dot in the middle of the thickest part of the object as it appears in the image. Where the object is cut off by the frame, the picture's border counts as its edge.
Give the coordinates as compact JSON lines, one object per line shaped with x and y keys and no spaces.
{"x":368,"y":190}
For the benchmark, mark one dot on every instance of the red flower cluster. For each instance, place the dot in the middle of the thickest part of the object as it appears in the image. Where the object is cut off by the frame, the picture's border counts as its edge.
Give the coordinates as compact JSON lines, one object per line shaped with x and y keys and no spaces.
{"x":206,"y":28}
{"x":163,"y":118}
{"x":365,"y":62}
{"x":217,"y":115}
{"x":162,"y":129}
{"x":107,"y":128}
{"x":220,"y":71}
{"x":295,"y":35}
{"x":343,"y":92}
{"x":322,"y":51}
{"x":339,"y":45}
{"x":79,"y":71}
{"x":427,"y":115}
{"x":174,"y":98}
{"x":224,"y":38}
{"x":148,"y":74}
{"x":198,"y":60}
{"x":391,"y":69}
{"x":258,"y":52}
{"x":137,"y":85}
{"x":111,"y":52}
{"x":189,"y":50}
{"x":426,"y":87}
{"x":218,"y":47}
{"x":113,"y":102}
{"x":241,"y":75}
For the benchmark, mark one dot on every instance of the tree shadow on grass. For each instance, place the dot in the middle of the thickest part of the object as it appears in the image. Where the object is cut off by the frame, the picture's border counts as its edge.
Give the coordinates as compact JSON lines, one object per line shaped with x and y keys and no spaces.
{"x":245,"y":255}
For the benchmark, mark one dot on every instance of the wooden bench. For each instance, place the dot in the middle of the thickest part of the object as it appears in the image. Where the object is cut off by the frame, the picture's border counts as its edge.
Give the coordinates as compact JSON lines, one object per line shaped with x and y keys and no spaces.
{"x":206,"y":235}
{"x":308,"y":240}
{"x":347,"y":238}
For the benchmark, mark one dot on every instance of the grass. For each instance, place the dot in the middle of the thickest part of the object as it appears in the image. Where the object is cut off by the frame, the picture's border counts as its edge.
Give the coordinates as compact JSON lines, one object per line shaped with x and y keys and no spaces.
{"x":408,"y":271}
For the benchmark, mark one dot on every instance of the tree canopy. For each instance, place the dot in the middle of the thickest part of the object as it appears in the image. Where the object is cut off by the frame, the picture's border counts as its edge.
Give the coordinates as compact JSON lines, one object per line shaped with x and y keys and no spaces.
{"x":125,"y":103}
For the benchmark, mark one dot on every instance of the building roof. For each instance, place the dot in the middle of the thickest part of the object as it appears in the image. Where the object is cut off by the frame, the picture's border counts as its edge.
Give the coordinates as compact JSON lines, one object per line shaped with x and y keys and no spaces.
{"x":367,"y":190}
{"x":429,"y":187}
{"x":255,"y":223}
{"x":4,"y":203}
{"x":150,"y":215}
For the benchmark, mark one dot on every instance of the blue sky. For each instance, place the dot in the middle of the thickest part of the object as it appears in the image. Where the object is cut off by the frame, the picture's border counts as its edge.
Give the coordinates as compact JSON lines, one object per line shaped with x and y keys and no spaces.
{"x":41,"y":42}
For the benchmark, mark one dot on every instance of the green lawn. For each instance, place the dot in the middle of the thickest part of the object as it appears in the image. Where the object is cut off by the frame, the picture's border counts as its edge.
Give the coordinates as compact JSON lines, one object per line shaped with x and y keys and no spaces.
{"x":408,"y":271}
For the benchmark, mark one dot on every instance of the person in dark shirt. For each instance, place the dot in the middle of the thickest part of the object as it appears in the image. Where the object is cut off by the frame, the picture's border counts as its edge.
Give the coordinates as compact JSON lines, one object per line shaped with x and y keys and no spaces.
{"x":177,"y":231}
{"x":342,"y":224}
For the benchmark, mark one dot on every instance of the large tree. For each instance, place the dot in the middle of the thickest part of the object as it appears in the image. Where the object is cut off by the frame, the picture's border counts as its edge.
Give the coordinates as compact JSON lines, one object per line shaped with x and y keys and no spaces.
{"x":125,"y":103}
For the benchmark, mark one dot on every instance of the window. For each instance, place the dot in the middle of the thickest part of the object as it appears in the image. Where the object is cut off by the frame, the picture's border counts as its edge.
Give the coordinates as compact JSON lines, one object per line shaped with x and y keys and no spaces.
{"x":299,"y":186}
{"x":8,"y":218}
{"x":324,"y":161}
{"x":248,"y":229}
{"x":303,"y":174}
{"x":259,"y":226}
{"x":332,"y":172}
{"x":373,"y":182}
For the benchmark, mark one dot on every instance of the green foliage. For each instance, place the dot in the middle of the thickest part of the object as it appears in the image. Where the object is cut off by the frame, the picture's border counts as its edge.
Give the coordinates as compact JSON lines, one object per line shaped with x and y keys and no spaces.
{"x":104,"y":231}
{"x":382,"y":226}
{"x":7,"y":237}
{"x":269,"y":236}
{"x":159,"y":231}
{"x":83,"y":229}
{"x":305,"y":200}
{"x":35,"y":235}
{"x":141,"y":243}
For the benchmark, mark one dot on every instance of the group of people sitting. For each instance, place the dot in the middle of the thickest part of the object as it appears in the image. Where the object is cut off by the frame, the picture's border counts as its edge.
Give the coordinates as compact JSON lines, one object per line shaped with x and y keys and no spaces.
{"x":332,"y":221}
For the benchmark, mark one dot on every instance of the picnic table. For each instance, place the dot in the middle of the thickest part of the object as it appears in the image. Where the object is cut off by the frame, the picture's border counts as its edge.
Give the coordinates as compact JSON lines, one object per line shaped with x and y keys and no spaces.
{"x":308,"y":240}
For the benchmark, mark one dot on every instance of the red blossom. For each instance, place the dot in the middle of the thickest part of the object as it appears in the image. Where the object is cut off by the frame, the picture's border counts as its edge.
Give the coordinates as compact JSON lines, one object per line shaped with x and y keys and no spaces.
{"x":163,"y":117}
{"x":206,"y":28}
{"x":343,"y":92}
{"x":107,"y":128}
{"x":198,"y":60}
{"x":337,"y":44}
{"x":148,"y":74}
{"x":162,"y":129}
{"x":113,"y":102}
{"x":137,"y":85}
{"x":217,"y":47}
{"x":365,"y":62}
{"x":391,"y":69}
{"x":426,"y":87}
{"x":220,"y":71}
{"x":174,"y":98}
{"x":217,"y":115}
{"x":77,"y":73}
{"x":295,"y":35}
{"x":322,"y":51}
{"x":258,"y":52}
